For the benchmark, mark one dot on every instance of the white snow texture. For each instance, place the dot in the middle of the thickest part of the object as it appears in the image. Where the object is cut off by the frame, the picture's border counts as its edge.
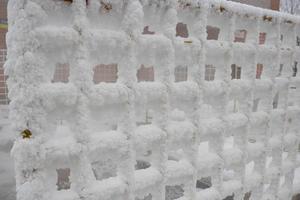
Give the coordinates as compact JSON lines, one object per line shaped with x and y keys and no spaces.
{"x":196,"y":129}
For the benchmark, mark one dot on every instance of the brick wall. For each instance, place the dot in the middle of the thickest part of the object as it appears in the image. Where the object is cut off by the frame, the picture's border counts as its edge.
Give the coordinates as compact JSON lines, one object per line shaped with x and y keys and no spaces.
{"x":3,"y":31}
{"x":3,"y":10}
{"x":275,"y":4}
{"x":3,"y":20}
{"x":270,"y":4}
{"x":2,"y":38}
{"x":3,"y":88}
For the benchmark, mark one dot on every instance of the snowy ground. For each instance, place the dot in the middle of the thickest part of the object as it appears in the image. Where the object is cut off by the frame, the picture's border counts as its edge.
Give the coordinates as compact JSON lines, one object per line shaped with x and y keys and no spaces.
{"x":7,"y":179}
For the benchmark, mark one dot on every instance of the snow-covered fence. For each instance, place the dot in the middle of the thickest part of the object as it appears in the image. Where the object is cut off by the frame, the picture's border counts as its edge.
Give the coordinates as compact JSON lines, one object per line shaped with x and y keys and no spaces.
{"x":234,"y":121}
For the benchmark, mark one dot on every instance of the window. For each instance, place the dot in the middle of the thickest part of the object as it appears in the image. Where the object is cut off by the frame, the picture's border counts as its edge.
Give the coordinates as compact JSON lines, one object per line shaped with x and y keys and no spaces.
{"x":145,"y":74}
{"x":204,"y":183}
{"x":262,"y":38}
{"x":275,"y":101}
{"x":212,"y":32}
{"x":63,"y":179}
{"x":174,"y":191}
{"x":147,"y":31}
{"x":182,"y":30}
{"x":61,"y":74}
{"x":236,"y":72}
{"x":106,"y":73}
{"x":3,"y":87}
{"x":259,"y":70}
{"x":181,"y":73}
{"x":240,"y":35}
{"x":295,"y":69}
{"x":298,"y":41}
{"x":210,"y":71}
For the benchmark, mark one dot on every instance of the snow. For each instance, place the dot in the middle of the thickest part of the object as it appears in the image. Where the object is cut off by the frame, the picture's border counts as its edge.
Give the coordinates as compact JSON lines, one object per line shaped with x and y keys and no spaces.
{"x":176,"y":171}
{"x":107,"y":93}
{"x":147,"y":179}
{"x":208,"y":194}
{"x":64,"y":195}
{"x":193,"y":129}
{"x":7,"y":181}
{"x":148,"y":136}
{"x":106,"y":189}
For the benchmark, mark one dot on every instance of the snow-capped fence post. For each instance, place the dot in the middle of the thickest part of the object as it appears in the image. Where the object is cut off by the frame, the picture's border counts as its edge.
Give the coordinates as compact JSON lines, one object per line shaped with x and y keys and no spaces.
{"x":233,"y":119}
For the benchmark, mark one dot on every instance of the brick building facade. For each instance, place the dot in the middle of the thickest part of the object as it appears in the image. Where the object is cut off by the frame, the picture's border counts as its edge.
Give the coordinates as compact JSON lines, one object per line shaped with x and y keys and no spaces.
{"x":3,"y":30}
{"x":269,"y":4}
{"x":3,"y":23}
{"x":108,"y":73}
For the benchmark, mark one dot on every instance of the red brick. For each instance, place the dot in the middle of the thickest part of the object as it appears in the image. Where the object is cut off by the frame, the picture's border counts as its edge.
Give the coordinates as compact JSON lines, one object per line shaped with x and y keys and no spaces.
{"x":106,"y":73}
{"x":145,"y":74}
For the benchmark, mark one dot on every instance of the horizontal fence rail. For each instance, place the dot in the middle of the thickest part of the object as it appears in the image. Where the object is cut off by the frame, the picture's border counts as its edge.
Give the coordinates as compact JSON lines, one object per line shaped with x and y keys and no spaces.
{"x":153,"y":99}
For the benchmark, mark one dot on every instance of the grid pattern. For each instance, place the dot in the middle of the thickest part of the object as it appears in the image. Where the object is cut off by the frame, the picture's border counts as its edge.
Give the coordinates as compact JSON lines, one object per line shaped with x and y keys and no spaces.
{"x":224,"y":130}
{"x":3,"y":86}
{"x":145,"y":74}
{"x":61,"y":73}
{"x":210,"y":72}
{"x":106,"y":73}
{"x":181,"y":73}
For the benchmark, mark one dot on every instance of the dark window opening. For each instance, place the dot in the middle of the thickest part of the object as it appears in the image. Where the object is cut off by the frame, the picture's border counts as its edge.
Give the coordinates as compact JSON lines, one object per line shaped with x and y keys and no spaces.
{"x":296,"y":197}
{"x":240,"y":35}
{"x":281,"y":37}
{"x":259,"y":70}
{"x":295,"y":69}
{"x":63,"y":179}
{"x":298,"y":41}
{"x":236,"y":71}
{"x":104,"y":169}
{"x":275,"y":101}
{"x":3,"y":87}
{"x":262,"y":38}
{"x":145,"y":74}
{"x":106,"y":73}
{"x":204,"y":183}
{"x":231,"y":197}
{"x":212,"y":32}
{"x":147,"y":197}
{"x":141,"y":164}
{"x":182,"y":30}
{"x":210,"y":71}
{"x":146,"y":31}
{"x":174,"y":192}
{"x":181,"y":73}
{"x":61,"y":73}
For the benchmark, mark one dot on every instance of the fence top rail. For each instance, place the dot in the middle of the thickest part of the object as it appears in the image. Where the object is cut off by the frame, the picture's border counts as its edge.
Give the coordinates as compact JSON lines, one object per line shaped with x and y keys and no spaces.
{"x":242,"y":10}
